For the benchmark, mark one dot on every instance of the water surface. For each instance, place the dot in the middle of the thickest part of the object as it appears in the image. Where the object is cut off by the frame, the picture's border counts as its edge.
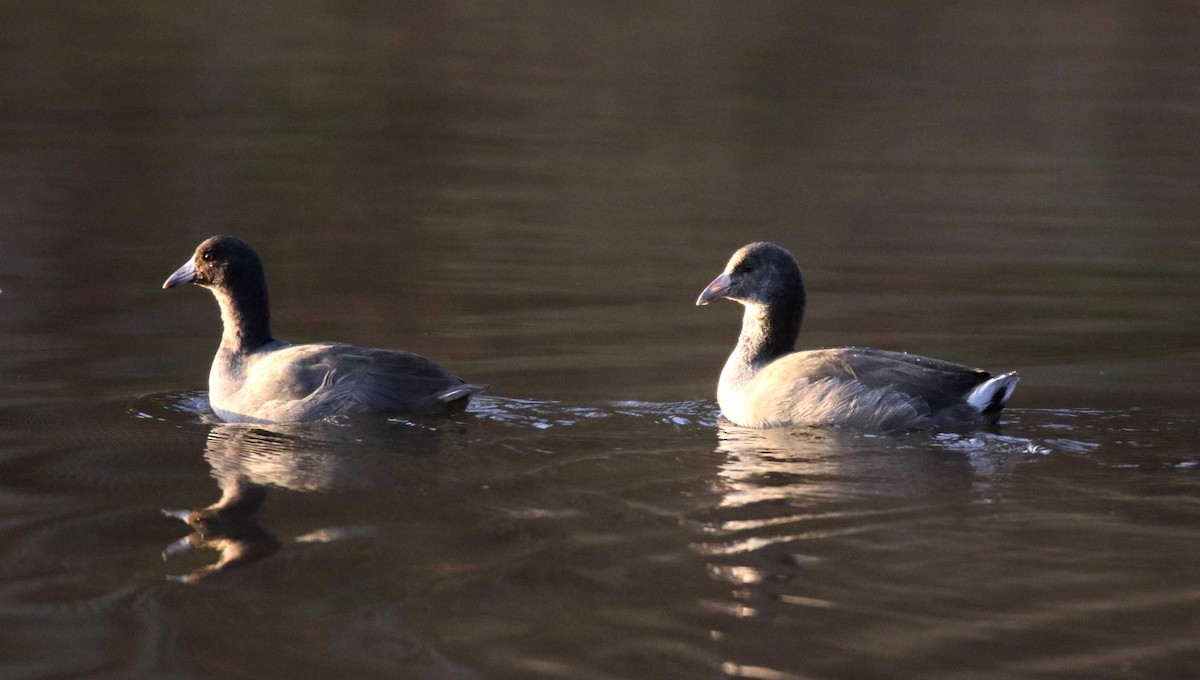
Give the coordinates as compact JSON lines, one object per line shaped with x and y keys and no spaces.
{"x":534,"y":195}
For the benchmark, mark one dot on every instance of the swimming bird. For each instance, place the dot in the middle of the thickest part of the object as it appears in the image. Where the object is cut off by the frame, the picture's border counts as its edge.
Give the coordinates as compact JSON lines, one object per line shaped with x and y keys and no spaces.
{"x":767,"y":383}
{"x":256,"y":378}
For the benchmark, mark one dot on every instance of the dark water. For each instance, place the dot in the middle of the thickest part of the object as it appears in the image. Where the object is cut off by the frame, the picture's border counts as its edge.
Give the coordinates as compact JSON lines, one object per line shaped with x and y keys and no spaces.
{"x":534,"y":194}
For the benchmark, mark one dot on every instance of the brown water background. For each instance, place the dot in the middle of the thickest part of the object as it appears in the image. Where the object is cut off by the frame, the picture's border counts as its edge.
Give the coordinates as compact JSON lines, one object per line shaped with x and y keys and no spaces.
{"x":534,"y":194}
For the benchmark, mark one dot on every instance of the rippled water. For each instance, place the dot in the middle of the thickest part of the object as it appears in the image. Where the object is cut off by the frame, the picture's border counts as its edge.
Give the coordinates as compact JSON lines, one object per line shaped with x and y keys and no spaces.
{"x":534,"y":195}
{"x":629,"y":539}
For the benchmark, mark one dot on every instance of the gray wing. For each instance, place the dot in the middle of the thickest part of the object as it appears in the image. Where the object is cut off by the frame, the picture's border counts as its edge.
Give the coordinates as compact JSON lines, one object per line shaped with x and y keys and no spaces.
{"x":390,"y":380}
{"x":328,"y":378}
{"x":938,"y":383}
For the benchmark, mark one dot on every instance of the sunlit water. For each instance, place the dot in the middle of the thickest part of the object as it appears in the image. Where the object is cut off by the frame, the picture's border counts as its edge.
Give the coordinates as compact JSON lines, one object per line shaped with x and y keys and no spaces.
{"x":623,"y":539}
{"x":534,"y":196}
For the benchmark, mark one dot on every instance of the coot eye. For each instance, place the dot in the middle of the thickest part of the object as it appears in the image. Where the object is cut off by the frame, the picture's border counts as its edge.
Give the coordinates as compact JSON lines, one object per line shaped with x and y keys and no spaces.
{"x":207,"y":256}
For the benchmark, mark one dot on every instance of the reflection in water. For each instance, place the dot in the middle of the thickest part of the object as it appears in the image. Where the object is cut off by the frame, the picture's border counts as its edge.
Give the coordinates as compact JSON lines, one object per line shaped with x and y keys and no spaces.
{"x":788,"y":496}
{"x":247,"y":461}
{"x":804,"y":467}
{"x":227,"y":526}
{"x":785,"y":487}
{"x":854,"y":538}
{"x":774,"y":464}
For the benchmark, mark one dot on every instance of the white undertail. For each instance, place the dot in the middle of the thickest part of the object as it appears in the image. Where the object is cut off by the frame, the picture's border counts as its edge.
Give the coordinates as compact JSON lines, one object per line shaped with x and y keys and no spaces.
{"x":993,"y":394}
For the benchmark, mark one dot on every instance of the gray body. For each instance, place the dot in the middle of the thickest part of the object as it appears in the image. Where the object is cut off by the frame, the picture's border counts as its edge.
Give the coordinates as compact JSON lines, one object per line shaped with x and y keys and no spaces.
{"x":257,"y":379}
{"x":767,"y":383}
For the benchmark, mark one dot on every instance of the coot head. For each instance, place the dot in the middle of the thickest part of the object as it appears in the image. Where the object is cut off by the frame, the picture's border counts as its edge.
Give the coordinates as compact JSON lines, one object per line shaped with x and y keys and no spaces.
{"x":222,"y":263}
{"x":760,"y":273}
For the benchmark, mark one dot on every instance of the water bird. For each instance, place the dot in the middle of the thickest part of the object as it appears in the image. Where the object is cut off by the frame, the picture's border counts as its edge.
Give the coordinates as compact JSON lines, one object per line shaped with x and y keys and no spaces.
{"x":256,"y":378}
{"x":767,"y":383}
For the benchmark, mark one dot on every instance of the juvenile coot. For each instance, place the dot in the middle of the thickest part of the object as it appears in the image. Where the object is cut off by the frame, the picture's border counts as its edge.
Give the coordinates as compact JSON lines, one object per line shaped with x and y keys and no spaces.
{"x":258,"y":379}
{"x":767,"y":383}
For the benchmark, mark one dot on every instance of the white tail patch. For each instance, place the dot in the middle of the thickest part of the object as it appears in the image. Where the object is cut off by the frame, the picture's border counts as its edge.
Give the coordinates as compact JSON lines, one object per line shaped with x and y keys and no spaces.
{"x":459,"y":392}
{"x":994,"y":393}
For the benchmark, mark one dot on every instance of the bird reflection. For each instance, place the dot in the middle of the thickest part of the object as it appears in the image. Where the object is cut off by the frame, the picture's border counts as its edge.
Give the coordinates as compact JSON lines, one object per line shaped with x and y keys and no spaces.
{"x":249,"y":461}
{"x":822,"y":467}
{"x":778,"y":464}
{"x":800,"y":509}
{"x":227,"y":526}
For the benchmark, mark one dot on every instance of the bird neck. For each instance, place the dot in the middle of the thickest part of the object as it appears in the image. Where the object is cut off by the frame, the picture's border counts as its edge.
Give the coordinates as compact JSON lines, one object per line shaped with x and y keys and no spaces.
{"x":246,"y":318}
{"x":768,"y":332}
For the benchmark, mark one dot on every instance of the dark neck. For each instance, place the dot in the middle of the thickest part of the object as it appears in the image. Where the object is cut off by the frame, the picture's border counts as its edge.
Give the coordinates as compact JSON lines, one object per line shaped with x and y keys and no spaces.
{"x":769,"y":332}
{"x":246,"y":316}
